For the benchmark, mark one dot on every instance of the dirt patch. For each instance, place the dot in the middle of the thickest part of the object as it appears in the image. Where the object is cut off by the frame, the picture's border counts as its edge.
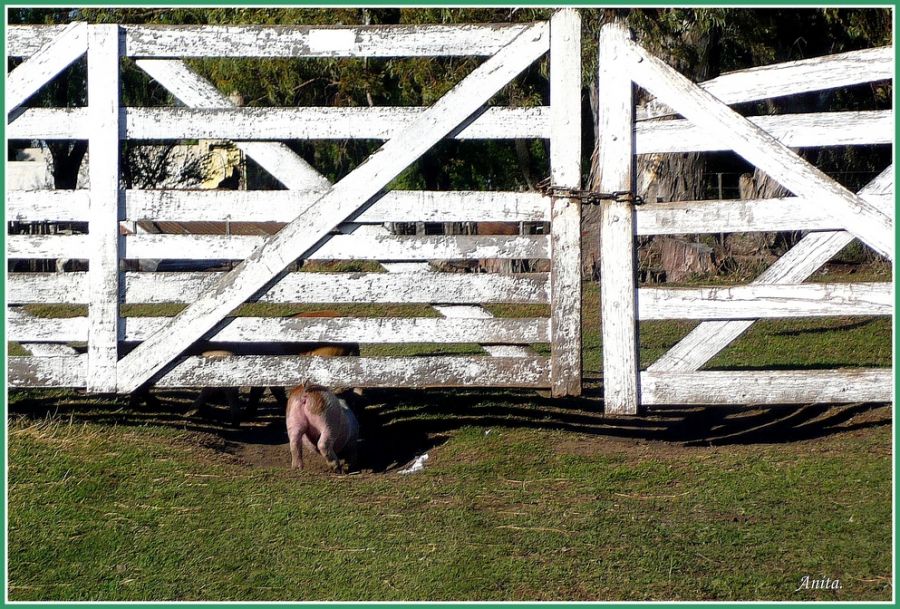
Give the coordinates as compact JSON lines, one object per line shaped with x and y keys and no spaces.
{"x":385,"y":446}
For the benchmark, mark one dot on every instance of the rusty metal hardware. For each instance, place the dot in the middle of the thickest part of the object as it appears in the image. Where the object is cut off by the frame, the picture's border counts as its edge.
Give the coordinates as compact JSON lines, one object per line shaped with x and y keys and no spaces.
{"x":589,"y":197}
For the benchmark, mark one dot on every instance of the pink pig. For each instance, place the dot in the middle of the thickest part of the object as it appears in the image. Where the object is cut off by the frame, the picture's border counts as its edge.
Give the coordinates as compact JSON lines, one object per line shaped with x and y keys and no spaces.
{"x":321,"y":420}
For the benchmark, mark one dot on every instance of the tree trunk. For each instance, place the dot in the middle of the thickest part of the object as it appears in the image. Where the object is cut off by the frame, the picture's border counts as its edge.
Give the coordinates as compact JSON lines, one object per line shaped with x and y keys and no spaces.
{"x":658,"y":177}
{"x":67,"y":158}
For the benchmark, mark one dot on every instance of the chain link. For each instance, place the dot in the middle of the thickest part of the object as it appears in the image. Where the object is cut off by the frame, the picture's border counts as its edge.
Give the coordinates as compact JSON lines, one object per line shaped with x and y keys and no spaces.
{"x":589,"y":197}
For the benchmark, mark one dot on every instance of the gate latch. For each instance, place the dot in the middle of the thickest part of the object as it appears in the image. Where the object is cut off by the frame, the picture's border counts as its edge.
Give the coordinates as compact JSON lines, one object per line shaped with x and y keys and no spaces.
{"x":589,"y":197}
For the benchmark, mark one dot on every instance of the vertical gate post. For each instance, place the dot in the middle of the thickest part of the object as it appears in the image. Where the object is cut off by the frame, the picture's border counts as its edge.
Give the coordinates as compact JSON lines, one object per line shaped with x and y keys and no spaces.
{"x":617,"y":245}
{"x":565,"y":212}
{"x":103,"y":225}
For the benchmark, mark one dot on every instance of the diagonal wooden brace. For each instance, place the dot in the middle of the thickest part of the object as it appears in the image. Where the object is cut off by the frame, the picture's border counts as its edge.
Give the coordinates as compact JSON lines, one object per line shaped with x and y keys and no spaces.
{"x":857,"y":216}
{"x":801,"y":261}
{"x":296,"y":174}
{"x":40,"y":68}
{"x":193,"y":91}
{"x":333,"y":207}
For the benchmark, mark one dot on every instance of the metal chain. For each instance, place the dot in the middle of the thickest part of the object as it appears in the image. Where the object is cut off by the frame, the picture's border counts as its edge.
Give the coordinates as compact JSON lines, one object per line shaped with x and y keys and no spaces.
{"x":589,"y":197}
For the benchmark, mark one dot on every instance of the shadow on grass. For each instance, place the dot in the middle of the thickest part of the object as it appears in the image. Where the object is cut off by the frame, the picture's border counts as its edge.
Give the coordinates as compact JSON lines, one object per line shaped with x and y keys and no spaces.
{"x":852,"y":325}
{"x":400,"y":424}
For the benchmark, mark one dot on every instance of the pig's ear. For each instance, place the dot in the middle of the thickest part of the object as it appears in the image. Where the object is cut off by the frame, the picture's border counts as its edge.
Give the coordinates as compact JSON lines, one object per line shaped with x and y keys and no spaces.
{"x":305,"y":385}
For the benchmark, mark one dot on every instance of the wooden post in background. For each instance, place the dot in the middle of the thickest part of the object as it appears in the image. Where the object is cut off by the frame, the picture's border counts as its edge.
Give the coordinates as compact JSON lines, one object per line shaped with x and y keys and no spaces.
{"x":103,"y":226}
{"x":565,"y":213}
{"x":617,"y":253}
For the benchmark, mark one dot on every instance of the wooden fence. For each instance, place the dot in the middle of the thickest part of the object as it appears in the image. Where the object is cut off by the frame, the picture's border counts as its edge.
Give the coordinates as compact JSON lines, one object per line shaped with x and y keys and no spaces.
{"x":312,"y":208}
{"x":358,"y":208}
{"x":833,"y":216}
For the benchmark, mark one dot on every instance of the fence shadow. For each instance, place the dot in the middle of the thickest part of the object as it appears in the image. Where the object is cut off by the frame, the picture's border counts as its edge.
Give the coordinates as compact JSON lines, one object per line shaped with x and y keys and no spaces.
{"x":398,"y":425}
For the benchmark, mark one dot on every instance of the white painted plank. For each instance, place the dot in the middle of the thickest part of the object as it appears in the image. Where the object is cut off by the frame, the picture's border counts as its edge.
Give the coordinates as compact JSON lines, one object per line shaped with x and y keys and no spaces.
{"x":49,"y":349}
{"x":735,"y":132}
{"x":49,"y":124}
{"x":309,"y":123}
{"x":793,"y":77}
{"x":766,"y":301}
{"x":53,"y":57}
{"x":388,"y":330}
{"x":43,"y":288}
{"x":26,"y":324}
{"x":42,"y":329}
{"x":301,"y":288}
{"x":342,"y":247}
{"x":283,"y":206}
{"x":291,"y":41}
{"x":313,"y":123}
{"x":794,"y":130}
{"x":565,"y":223}
{"x":63,"y":371}
{"x":740,"y":215}
{"x":338,"y":247}
{"x":311,"y":41}
{"x":801,"y":261}
{"x":103,"y":228}
{"x":253,"y":123}
{"x":47,"y":205}
{"x":423,"y":372}
{"x":334,"y":207}
{"x":442,"y":371}
{"x":767,"y":387}
{"x":48,"y":246}
{"x":617,"y":253}
{"x":475,"y":312}
{"x":348,"y":288}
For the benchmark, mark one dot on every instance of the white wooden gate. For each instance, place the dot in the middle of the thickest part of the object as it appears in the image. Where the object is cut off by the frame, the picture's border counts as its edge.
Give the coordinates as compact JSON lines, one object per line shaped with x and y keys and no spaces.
{"x":356,"y":206}
{"x":833,"y":215}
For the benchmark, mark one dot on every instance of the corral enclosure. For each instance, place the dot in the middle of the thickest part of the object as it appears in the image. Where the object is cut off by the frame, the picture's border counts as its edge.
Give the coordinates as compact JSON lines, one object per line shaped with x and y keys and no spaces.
{"x":349,"y":220}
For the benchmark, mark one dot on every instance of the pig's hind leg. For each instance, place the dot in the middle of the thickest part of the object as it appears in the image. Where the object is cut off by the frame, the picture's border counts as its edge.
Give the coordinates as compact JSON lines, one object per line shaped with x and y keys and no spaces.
{"x":326,"y":449}
{"x":297,"y":437}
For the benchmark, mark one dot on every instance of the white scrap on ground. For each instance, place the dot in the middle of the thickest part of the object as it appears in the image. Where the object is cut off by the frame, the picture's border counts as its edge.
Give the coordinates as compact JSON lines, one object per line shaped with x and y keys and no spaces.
{"x":417,"y":465}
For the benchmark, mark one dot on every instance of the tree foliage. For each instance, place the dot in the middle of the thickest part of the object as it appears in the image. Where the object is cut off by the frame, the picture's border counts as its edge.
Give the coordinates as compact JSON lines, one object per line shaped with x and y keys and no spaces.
{"x":700,"y":42}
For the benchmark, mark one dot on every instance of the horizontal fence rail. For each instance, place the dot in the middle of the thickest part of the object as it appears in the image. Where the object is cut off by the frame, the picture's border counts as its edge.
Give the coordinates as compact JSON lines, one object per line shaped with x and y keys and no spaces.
{"x":296,"y":288}
{"x":338,"y":247}
{"x":766,"y":387}
{"x":281,"y":206}
{"x":387,"y":330}
{"x":766,"y":301}
{"x":260,"y":370}
{"x":793,"y":77}
{"x":371,"y":123}
{"x":742,"y":215}
{"x":794,"y":130}
{"x":288,"y":41}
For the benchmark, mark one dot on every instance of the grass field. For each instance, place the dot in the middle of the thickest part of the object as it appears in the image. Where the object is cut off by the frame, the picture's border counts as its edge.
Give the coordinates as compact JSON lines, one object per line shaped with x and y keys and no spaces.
{"x":522,"y":498}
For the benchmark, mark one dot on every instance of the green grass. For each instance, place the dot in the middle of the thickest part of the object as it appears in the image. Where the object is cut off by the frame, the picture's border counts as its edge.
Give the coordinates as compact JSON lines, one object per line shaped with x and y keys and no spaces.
{"x":523,"y":497}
